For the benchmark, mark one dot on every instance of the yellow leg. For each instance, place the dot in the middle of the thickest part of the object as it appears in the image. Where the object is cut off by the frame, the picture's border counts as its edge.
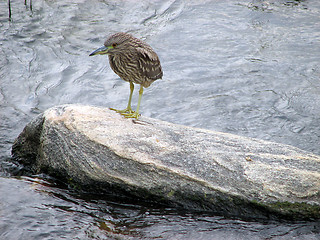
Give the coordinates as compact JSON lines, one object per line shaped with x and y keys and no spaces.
{"x":136,"y":113}
{"x":128,"y":109}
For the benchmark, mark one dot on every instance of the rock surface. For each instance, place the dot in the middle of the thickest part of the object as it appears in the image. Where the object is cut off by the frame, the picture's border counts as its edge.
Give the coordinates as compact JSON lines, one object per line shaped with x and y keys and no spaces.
{"x":97,"y":149}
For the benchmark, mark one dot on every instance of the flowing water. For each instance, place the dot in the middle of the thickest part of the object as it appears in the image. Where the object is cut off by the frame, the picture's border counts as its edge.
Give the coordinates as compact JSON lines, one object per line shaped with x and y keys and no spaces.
{"x":245,"y":67}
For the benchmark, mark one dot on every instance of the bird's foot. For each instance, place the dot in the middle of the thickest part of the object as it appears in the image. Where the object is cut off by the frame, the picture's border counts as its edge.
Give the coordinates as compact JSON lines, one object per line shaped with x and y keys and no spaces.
{"x":131,"y":115}
{"x":128,"y":110}
{"x":127,"y":113}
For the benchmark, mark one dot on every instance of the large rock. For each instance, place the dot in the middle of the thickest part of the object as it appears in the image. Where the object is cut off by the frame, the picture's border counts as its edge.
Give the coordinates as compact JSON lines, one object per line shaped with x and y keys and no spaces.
{"x":97,"y":149}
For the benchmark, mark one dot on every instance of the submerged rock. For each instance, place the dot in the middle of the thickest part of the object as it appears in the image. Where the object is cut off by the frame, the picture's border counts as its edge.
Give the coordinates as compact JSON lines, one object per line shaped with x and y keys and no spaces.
{"x":197,"y":169}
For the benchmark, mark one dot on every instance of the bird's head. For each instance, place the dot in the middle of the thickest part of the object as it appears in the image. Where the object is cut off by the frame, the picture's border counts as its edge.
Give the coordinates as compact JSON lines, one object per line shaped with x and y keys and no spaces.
{"x":116,"y":43}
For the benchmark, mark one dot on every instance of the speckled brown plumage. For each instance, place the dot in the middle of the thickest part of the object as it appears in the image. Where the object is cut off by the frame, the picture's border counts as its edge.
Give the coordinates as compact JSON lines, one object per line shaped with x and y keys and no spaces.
{"x":134,"y":61}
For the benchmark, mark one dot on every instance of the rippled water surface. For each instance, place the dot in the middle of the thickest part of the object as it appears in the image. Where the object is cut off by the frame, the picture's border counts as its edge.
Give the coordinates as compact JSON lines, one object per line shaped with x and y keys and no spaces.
{"x":245,"y":67}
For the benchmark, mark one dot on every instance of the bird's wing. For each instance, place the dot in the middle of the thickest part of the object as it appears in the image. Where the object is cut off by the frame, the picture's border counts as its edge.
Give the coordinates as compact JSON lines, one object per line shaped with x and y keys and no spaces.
{"x":149,"y":63}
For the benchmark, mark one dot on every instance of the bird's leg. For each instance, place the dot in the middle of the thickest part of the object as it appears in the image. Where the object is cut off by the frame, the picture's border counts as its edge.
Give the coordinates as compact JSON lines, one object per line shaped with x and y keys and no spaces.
{"x":130,"y":97}
{"x":140,"y":96}
{"x":128,"y":109}
{"x":136,"y":113}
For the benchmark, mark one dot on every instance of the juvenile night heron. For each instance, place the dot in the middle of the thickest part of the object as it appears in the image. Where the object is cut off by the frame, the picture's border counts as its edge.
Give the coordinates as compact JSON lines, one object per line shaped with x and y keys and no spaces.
{"x":134,"y":61}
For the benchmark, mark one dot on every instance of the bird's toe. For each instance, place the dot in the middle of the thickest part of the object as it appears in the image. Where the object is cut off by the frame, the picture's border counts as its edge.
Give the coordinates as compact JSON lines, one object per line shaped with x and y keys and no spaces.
{"x":131,"y":115}
{"x":124,"y":111}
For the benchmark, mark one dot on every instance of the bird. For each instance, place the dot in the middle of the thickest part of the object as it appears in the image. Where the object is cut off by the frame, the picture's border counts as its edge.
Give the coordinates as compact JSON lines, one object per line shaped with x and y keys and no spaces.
{"x":134,"y":61}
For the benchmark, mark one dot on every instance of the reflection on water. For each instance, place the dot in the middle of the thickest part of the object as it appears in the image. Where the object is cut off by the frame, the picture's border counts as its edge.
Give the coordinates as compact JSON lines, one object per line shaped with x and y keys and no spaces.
{"x":47,"y":212}
{"x":245,"y":67}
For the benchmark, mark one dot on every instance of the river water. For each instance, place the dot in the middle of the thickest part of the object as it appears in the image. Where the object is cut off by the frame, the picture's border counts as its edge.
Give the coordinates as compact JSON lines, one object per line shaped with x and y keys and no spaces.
{"x":245,"y":67}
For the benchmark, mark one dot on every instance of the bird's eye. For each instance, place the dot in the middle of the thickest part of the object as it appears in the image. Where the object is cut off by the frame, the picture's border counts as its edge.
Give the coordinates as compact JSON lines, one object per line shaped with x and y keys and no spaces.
{"x":114,"y":45}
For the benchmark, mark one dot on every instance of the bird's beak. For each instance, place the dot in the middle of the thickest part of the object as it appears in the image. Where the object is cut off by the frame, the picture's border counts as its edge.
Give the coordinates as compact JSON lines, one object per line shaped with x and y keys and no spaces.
{"x":101,"y":51}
